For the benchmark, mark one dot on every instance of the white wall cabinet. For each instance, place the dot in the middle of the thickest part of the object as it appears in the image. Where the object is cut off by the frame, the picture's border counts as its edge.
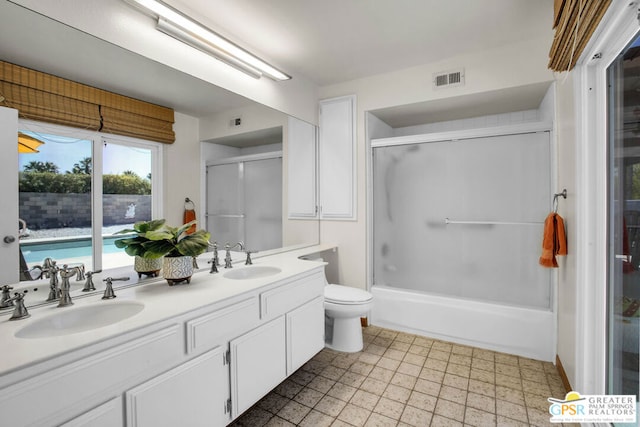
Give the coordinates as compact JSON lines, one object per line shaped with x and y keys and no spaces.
{"x":258,"y":364}
{"x":301,"y":169}
{"x":337,"y":158}
{"x":193,"y":394}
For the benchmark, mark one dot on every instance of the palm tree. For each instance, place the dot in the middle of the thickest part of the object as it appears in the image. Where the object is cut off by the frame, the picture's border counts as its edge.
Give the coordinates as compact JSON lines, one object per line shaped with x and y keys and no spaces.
{"x":83,"y":167}
{"x":38,"y":166}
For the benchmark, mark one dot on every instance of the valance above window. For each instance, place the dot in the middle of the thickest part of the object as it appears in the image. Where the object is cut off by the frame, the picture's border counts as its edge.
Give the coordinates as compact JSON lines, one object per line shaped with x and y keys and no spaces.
{"x":47,"y":98}
{"x":574,"y":23}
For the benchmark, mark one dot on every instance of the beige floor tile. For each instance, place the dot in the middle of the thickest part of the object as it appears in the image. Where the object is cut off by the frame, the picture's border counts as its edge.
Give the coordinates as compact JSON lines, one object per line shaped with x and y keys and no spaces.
{"x":381,"y":374}
{"x":384,"y":342}
{"x":273,"y":402}
{"x":485,"y":365}
{"x":316,"y":419}
{"x":539,"y":418}
{"x":254,"y":417}
{"x":531,"y":364}
{"x":361,"y":368}
{"x":369,"y":358}
{"x":509,"y":422}
{"x":414,"y":359}
{"x":399,"y":345}
{"x":354,"y":415}
{"x":460,"y":359}
{"x":536,"y":388}
{"x":442,"y":346}
{"x":404,"y":337}
{"x":397,"y":393}
{"x":353,"y":379}
{"x":302,"y":377}
{"x":532,"y":375}
{"x":330,"y":406}
{"x":437,"y":354}
{"x":536,"y":401}
{"x":422,"y":401}
{"x":387,"y":363}
{"x":394,"y":354}
{"x":450,"y":409}
{"x":511,"y":410}
{"x":375,"y":349}
{"x":432,"y":375}
{"x":462,"y":349}
{"x":343,"y":361}
{"x":365,"y":400}
{"x":418,"y":350}
{"x":288,"y":389}
{"x":332,"y":372}
{"x":482,"y":402}
{"x":482,"y":375}
{"x":342,"y":391}
{"x":475,"y":417}
{"x":441,"y":421}
{"x":279,"y":422}
{"x":427,"y":387}
{"x":389,"y":408}
{"x":404,"y":380}
{"x":510,"y":395}
{"x":453,"y":394}
{"x":460,"y":370}
{"x":409,"y":368}
{"x":510,"y":370}
{"x":374,"y":386}
{"x":321,"y":384}
{"x":482,"y":387}
{"x":308,"y":397}
{"x":379,"y":420}
{"x":507,"y":359}
{"x":388,"y":333}
{"x":456,"y":381}
{"x":484,"y":354}
{"x":293,"y":412}
{"x":339,"y":423}
{"x":416,"y":417}
{"x":435,"y":364}
{"x":508,"y":381}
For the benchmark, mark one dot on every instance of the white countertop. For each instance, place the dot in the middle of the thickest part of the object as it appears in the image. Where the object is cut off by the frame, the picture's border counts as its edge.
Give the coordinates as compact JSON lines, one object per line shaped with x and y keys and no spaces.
{"x":161,"y":302}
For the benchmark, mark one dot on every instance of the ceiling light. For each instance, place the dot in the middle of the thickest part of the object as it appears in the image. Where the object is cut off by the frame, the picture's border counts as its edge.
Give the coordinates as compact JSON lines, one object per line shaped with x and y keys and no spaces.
{"x":188,"y":31}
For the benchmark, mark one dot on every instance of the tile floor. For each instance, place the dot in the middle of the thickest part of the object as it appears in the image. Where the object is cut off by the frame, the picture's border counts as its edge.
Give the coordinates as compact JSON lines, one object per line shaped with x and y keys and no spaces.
{"x":401,"y":379}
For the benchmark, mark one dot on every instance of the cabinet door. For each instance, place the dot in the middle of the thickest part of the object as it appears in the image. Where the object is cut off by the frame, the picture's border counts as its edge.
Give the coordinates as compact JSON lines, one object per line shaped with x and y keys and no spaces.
{"x":337,"y":158}
{"x":193,"y":394}
{"x":301,"y":169}
{"x":106,"y":415}
{"x":9,"y":259}
{"x":305,"y":333}
{"x":258,"y":364}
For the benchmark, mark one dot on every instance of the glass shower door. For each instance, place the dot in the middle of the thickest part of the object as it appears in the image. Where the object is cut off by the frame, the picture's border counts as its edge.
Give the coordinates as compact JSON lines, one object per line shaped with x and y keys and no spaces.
{"x":623,"y":285}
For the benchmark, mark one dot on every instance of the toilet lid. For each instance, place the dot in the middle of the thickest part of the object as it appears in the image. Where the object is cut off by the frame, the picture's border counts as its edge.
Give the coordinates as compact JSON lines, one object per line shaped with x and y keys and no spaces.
{"x":345,"y":294}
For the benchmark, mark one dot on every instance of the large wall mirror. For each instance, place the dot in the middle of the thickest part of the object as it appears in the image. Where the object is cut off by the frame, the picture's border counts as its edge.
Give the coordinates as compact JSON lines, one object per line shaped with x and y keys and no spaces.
{"x":246,"y":161}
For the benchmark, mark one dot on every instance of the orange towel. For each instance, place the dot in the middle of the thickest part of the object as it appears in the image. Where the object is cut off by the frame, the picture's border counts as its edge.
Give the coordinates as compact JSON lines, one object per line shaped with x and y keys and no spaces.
{"x":189,"y":215}
{"x":554,"y":241}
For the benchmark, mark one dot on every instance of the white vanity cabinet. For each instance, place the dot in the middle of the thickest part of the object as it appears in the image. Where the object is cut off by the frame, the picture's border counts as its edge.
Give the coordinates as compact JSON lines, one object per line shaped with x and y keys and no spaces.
{"x":193,"y":394}
{"x":201,"y":367}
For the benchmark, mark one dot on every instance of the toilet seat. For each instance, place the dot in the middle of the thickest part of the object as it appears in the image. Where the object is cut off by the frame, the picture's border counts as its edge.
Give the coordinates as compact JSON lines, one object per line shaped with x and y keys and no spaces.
{"x":347,"y":295}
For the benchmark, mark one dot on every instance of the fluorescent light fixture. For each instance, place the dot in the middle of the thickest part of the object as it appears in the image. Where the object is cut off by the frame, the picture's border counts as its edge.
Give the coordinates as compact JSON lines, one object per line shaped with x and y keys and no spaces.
{"x":188,"y":31}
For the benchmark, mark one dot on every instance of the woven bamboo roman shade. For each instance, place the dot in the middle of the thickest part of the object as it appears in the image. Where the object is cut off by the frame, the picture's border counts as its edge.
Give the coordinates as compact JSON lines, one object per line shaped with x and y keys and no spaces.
{"x":574,"y":22}
{"x":43,"y":97}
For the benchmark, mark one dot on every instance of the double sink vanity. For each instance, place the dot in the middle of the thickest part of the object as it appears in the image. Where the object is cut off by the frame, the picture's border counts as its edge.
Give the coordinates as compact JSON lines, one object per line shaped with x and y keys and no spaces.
{"x":158,"y":355}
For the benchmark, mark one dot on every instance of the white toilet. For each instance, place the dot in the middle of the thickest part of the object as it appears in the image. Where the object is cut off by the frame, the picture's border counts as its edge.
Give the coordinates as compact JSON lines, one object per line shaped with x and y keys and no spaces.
{"x":343,"y":307}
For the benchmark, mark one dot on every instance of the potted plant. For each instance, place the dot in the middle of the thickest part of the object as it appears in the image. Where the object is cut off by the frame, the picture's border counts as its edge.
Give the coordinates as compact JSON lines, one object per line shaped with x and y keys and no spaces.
{"x":145,"y":262}
{"x":178,"y":248}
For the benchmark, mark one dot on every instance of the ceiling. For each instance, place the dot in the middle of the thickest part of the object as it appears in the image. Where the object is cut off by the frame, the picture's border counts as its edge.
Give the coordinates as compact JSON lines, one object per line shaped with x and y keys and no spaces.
{"x":328,"y":41}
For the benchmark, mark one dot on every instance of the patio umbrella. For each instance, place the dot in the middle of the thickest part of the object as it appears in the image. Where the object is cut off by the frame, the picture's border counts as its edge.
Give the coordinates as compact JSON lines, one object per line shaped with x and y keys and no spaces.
{"x":28,"y":144}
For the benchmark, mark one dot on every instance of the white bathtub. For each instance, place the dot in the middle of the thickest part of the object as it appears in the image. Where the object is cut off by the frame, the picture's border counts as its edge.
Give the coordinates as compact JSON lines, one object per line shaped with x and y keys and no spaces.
{"x":514,"y":330}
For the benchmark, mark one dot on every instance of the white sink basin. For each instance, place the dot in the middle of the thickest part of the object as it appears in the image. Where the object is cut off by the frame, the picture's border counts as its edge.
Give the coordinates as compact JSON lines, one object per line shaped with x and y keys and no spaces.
{"x":252,"y":272}
{"x":73,"y":320}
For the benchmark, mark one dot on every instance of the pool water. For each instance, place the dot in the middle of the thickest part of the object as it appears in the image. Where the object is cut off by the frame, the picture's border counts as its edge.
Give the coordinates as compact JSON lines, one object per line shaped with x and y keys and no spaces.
{"x":35,"y":252}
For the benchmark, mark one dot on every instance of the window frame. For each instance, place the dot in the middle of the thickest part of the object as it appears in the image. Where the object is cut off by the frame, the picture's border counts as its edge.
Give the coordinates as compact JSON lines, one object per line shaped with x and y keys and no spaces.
{"x":99,"y":139}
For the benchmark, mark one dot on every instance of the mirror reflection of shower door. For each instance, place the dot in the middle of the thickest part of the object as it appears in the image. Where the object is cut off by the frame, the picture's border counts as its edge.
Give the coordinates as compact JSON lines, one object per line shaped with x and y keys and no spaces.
{"x":244,"y":203}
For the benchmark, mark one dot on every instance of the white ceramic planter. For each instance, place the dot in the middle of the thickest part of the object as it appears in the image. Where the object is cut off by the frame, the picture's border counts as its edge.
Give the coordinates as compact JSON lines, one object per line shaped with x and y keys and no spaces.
{"x":177,"y":269}
{"x":147,"y":266}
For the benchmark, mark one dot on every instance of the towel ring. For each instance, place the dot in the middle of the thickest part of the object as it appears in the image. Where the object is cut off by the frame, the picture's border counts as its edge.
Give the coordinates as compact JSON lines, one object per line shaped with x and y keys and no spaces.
{"x":563,"y":193}
{"x":188,"y":203}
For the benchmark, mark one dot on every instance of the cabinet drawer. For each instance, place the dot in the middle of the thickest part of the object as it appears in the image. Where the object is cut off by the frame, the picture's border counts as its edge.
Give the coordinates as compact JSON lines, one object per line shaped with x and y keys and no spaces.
{"x":282,"y":299}
{"x":214,"y":329}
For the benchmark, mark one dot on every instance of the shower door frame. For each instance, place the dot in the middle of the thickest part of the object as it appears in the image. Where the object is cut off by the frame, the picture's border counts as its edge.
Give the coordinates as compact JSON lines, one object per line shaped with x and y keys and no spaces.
{"x":547,"y":318}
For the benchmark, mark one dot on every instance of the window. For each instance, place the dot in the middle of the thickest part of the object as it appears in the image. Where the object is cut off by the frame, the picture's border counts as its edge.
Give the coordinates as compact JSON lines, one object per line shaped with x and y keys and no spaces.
{"x":78,"y":190}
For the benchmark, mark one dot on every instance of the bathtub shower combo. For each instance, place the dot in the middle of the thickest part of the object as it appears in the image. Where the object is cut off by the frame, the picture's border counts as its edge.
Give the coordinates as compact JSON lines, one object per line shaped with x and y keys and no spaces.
{"x":457,"y":231}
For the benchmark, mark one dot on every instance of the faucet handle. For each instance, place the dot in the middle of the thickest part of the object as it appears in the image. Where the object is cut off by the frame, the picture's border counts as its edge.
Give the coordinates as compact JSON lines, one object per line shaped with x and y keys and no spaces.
{"x":20,"y":312}
{"x":108,"y":291}
{"x":6,"y":301}
{"x":88,"y":285}
{"x":248,"y":260}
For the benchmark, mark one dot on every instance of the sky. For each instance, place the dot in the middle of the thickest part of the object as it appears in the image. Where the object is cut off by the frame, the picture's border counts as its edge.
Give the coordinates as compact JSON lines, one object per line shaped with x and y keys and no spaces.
{"x":65,"y":152}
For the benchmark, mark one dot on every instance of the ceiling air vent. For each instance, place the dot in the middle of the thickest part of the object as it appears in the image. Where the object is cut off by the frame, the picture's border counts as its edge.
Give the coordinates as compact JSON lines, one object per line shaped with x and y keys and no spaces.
{"x":448,"y":78}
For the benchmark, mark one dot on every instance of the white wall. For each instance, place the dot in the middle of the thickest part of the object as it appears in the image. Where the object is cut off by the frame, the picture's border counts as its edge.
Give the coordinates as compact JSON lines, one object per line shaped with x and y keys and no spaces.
{"x":509,"y":66}
{"x":254,"y":117}
{"x":567,"y":273}
{"x":181,"y":170}
{"x":121,"y":24}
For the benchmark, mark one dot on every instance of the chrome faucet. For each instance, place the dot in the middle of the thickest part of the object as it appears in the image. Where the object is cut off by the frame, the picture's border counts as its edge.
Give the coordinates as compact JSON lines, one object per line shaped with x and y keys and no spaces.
{"x":215,"y":261}
{"x":227,"y":257}
{"x":65,"y":286}
{"x":108,"y":291}
{"x":50,"y":270}
{"x":6,"y":300}
{"x":20,"y":312}
{"x":88,"y":285}
{"x":248,"y":260}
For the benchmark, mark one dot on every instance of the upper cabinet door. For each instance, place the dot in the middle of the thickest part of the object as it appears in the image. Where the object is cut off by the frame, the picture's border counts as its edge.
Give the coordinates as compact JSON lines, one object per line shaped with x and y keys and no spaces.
{"x":9,"y":259}
{"x":301,"y":161}
{"x":337,"y":158}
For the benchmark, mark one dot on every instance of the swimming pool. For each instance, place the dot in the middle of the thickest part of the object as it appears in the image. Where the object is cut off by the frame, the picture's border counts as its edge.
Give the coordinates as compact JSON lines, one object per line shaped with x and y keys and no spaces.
{"x":66,"y":248}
